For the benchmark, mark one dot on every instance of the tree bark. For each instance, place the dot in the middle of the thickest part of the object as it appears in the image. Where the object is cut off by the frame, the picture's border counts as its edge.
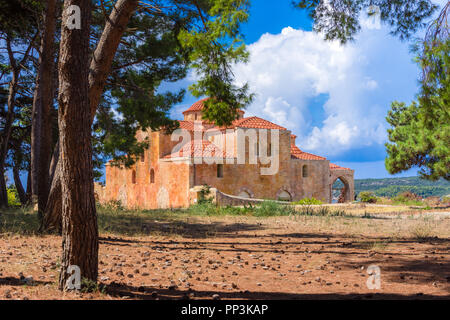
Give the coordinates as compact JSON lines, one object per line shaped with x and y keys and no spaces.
{"x":106,"y":49}
{"x":3,"y":191}
{"x":52,"y":220}
{"x":19,"y":187}
{"x":41,"y":134}
{"x":99,"y":70}
{"x":79,"y":218}
{"x":6,"y":134}
{"x":29,"y":185}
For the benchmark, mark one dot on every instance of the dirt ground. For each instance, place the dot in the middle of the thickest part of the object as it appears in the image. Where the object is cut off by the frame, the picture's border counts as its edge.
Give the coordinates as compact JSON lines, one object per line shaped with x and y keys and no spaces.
{"x":300,"y":257}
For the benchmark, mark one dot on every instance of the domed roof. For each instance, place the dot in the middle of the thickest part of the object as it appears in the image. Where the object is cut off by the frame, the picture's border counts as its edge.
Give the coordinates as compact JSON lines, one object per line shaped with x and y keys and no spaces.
{"x":198,"y":106}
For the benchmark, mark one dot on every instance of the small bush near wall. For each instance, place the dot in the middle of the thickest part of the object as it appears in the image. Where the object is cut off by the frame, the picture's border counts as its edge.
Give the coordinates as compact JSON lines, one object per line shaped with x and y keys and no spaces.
{"x":308,"y":201}
{"x":205,"y":195}
{"x":367,"y":197}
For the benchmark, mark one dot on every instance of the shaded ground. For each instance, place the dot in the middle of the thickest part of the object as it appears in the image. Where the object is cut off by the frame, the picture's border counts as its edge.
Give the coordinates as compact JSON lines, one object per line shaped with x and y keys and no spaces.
{"x":175,"y":256}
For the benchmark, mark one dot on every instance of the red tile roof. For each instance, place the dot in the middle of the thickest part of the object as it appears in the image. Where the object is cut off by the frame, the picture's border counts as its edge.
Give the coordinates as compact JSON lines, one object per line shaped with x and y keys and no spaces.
{"x":190,"y":150}
{"x":257,"y":123}
{"x":296,"y":153}
{"x":196,"y":106}
{"x":336,"y":167}
{"x":201,"y":148}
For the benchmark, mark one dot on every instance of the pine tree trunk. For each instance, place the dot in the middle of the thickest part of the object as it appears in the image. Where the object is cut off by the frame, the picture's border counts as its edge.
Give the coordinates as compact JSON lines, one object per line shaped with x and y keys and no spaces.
{"x":29,"y":185}
{"x":3,"y":191}
{"x":41,"y":134}
{"x":99,"y":69}
{"x":79,"y":218}
{"x":19,"y":187}
{"x":51,"y":221}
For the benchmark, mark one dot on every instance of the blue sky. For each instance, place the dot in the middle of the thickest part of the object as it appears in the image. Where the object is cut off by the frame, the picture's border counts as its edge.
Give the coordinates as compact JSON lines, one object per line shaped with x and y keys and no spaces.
{"x":334,"y":98}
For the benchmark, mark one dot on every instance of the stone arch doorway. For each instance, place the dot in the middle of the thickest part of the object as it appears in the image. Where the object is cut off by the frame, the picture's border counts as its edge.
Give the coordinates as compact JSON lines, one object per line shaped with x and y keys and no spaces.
{"x":340,"y":190}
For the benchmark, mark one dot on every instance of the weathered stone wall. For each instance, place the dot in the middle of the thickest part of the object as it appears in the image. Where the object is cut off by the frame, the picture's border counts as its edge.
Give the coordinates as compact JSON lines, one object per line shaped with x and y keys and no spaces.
{"x":223,"y":199}
{"x":247,"y":177}
{"x":169,"y":187}
{"x":316,"y":184}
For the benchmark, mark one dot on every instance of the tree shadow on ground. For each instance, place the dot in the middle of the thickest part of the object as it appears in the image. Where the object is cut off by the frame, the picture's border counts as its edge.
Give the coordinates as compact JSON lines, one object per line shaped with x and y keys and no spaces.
{"x":129,"y":223}
{"x":398,"y":258}
{"x":12,"y":281}
{"x":148,"y":226}
{"x":119,"y":290}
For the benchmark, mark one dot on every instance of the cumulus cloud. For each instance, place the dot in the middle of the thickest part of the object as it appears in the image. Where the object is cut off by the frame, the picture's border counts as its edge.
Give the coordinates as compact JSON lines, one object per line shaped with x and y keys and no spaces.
{"x":287,"y":71}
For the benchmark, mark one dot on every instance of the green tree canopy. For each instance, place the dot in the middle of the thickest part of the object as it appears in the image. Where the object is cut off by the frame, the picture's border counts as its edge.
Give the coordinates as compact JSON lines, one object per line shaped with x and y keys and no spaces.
{"x":339,"y":19}
{"x":420,"y":133}
{"x":160,"y":45}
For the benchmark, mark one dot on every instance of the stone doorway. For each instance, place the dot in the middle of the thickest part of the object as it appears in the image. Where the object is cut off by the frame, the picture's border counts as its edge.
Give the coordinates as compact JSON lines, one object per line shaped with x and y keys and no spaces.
{"x":340,"y":191}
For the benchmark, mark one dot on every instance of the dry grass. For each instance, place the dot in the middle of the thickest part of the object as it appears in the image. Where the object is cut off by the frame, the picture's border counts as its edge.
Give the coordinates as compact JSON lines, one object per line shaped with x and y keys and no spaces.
{"x":351,"y":220}
{"x":331,"y":247}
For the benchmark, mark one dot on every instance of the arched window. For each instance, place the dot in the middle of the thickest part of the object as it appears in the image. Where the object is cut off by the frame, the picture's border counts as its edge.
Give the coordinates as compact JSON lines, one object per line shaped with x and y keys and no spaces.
{"x":152,"y":176}
{"x":220,"y":171}
{"x":244,"y":194}
{"x":305,"y":172}
{"x":133,"y":177}
{"x":143,"y":157}
{"x":284,"y":196}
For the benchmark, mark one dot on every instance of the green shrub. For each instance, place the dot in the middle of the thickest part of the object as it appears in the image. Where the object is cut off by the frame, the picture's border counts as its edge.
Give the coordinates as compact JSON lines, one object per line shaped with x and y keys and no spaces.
{"x":13,"y":197}
{"x":408,"y":195}
{"x":205,"y":195}
{"x":408,"y":198}
{"x":205,"y":208}
{"x":367,"y":197}
{"x":271,"y":208}
{"x":308,"y":201}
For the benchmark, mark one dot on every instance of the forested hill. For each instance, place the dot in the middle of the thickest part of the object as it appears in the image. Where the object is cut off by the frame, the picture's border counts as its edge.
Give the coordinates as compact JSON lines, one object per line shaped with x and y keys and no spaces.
{"x":390,"y":187}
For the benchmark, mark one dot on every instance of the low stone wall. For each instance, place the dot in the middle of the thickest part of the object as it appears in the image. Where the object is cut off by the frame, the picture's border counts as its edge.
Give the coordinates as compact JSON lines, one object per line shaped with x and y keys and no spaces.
{"x":224,"y":199}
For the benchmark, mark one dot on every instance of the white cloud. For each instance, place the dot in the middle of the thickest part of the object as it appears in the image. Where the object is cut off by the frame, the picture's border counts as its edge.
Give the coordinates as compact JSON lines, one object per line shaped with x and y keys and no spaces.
{"x":371,"y":84}
{"x":288,"y":70}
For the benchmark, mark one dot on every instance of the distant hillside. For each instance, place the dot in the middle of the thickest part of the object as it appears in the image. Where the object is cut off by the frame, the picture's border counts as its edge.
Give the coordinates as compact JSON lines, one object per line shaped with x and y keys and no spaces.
{"x":390,"y":187}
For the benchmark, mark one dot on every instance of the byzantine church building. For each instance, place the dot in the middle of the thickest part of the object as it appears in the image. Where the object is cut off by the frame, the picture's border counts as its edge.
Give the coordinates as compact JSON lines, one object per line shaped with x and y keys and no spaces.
{"x":175,"y":167}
